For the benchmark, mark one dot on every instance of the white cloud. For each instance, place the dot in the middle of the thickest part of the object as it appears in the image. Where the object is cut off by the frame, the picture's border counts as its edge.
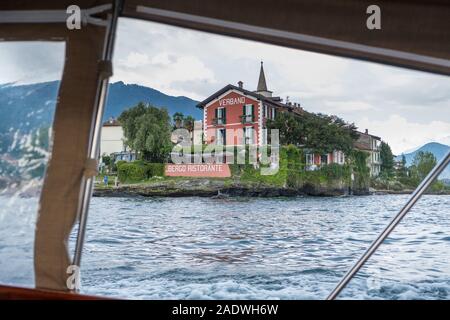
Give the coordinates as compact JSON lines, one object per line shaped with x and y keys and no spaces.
{"x":135,"y":59}
{"x":404,"y":135}
{"x":31,"y":62}
{"x":347,"y":106}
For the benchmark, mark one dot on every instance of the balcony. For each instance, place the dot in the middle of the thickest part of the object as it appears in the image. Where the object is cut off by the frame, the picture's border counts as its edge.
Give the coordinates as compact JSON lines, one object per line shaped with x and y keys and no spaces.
{"x":247,"y":119}
{"x":218,"y":121}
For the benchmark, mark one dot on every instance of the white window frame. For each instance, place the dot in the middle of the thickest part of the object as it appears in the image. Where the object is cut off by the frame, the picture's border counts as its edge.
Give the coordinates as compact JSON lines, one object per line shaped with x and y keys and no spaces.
{"x":220,"y":138}
{"x":220,"y":113}
{"x":309,"y":159}
{"x":249,"y":140}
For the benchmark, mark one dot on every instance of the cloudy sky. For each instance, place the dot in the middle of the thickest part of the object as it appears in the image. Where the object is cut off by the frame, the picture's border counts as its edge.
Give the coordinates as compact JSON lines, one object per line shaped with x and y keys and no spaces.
{"x":406,"y":108}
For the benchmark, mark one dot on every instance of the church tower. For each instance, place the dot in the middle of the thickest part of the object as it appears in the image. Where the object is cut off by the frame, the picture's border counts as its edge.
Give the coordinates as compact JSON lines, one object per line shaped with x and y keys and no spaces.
{"x":262,"y":86}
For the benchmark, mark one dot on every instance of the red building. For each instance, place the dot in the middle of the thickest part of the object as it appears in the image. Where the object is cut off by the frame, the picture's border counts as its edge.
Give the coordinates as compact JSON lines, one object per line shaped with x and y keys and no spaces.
{"x":236,"y":116}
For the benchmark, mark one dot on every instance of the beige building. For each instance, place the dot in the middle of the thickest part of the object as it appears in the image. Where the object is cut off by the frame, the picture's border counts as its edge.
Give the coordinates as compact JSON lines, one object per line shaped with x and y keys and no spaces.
{"x":371,"y":144}
{"x":111,"y":140}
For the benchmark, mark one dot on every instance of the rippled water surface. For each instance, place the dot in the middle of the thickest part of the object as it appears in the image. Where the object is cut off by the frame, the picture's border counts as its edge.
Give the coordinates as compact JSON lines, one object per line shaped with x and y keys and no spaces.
{"x":251,"y":248}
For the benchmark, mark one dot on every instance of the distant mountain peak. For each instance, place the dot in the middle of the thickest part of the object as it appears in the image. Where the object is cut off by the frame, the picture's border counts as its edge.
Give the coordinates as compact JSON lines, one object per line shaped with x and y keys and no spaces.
{"x":123,"y":96}
{"x":436,"y":148}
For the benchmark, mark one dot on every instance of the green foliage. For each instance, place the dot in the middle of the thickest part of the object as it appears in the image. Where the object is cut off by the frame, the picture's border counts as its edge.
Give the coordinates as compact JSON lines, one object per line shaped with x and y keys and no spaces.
{"x":155,"y":169}
{"x":292,"y":172}
{"x":320,"y":133}
{"x":116,"y":165}
{"x":131,"y":172}
{"x":402,"y":170}
{"x":181,"y":121}
{"x":422,"y":164}
{"x":387,"y":160}
{"x":178,"y":118}
{"x":249,"y":173}
{"x":106,"y":160}
{"x":360,"y":169}
{"x":295,"y":165}
{"x":120,"y":162}
{"x":188,"y":123}
{"x":138,"y":171}
{"x":147,"y":130}
{"x":336,"y":171}
{"x":291,"y":128}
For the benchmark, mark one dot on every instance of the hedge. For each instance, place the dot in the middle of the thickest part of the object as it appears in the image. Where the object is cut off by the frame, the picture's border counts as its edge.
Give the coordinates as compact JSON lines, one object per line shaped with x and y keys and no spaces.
{"x":139,"y":170}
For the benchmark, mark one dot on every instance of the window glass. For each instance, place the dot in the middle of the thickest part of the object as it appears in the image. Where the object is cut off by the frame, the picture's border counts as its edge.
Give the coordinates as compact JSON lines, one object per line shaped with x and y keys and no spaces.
{"x":29,"y":83}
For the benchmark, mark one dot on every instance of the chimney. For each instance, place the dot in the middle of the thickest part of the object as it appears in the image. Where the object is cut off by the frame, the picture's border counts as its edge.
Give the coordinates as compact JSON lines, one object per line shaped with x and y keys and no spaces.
{"x":240,"y":84}
{"x":367,"y":131}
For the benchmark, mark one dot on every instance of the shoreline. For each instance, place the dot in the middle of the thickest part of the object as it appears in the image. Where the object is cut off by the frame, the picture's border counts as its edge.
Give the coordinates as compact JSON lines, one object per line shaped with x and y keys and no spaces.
{"x":219,"y":189}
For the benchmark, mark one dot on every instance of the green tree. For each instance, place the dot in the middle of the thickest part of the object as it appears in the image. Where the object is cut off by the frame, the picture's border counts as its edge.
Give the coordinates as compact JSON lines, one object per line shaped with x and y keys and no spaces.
{"x":129,"y":124}
{"x":147,"y":130}
{"x":178,"y":119}
{"x":106,"y":160}
{"x":188,"y":123}
{"x":360,"y":169}
{"x":402,"y":170}
{"x":387,"y":160}
{"x":318,"y":132}
{"x":291,"y":128}
{"x":422,"y":164}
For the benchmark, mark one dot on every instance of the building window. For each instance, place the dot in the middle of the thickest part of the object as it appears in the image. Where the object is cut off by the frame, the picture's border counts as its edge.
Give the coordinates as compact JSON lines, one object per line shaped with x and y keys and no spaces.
{"x":266,"y":111}
{"x":248,"y":135}
{"x":338,"y":157}
{"x":273,"y":113}
{"x":324,"y":159}
{"x":220,"y":116}
{"x":220,"y":137}
{"x":248,"y":113}
{"x":309,"y":159}
{"x":264,"y":137}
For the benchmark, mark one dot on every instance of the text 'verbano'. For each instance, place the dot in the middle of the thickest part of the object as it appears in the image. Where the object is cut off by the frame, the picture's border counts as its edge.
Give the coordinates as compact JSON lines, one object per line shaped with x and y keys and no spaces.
{"x":231,"y":101}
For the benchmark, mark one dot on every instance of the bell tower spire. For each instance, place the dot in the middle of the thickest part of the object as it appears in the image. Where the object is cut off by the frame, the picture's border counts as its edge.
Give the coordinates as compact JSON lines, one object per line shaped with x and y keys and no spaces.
{"x":262,"y":86}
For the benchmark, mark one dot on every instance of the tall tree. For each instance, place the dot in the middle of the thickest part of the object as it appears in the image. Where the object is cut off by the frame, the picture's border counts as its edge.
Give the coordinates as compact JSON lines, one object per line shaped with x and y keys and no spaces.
{"x":188,"y":123}
{"x":318,"y":132}
{"x":387,"y":159}
{"x":178,"y":119}
{"x":129,"y":125}
{"x":402,"y":171}
{"x":147,"y":130}
{"x":291,"y":128}
{"x":422,"y":164}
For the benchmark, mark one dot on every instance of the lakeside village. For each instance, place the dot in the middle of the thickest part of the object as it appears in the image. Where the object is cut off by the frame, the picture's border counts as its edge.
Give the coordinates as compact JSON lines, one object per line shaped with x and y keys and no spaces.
{"x":249,"y":143}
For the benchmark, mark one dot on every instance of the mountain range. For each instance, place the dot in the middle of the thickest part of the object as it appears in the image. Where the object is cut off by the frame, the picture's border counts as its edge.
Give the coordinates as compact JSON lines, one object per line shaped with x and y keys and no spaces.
{"x":28,"y":106}
{"x":438,"y":149}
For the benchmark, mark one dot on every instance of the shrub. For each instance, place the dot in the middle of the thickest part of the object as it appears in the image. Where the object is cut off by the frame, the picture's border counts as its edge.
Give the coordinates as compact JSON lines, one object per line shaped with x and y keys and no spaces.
{"x":131,"y":172}
{"x":139,"y":170}
{"x":155,"y":169}
{"x":115,"y":165}
{"x":335,"y":171}
{"x":360,"y":169}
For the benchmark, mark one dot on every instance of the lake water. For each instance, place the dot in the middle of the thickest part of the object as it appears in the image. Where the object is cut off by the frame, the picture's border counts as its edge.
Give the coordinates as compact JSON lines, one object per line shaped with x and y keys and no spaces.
{"x":248,"y":248}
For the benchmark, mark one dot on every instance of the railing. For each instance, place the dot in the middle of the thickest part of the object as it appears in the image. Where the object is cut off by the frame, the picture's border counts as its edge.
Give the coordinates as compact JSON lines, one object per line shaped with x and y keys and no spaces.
{"x":218,"y":121}
{"x":247,"y":119}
